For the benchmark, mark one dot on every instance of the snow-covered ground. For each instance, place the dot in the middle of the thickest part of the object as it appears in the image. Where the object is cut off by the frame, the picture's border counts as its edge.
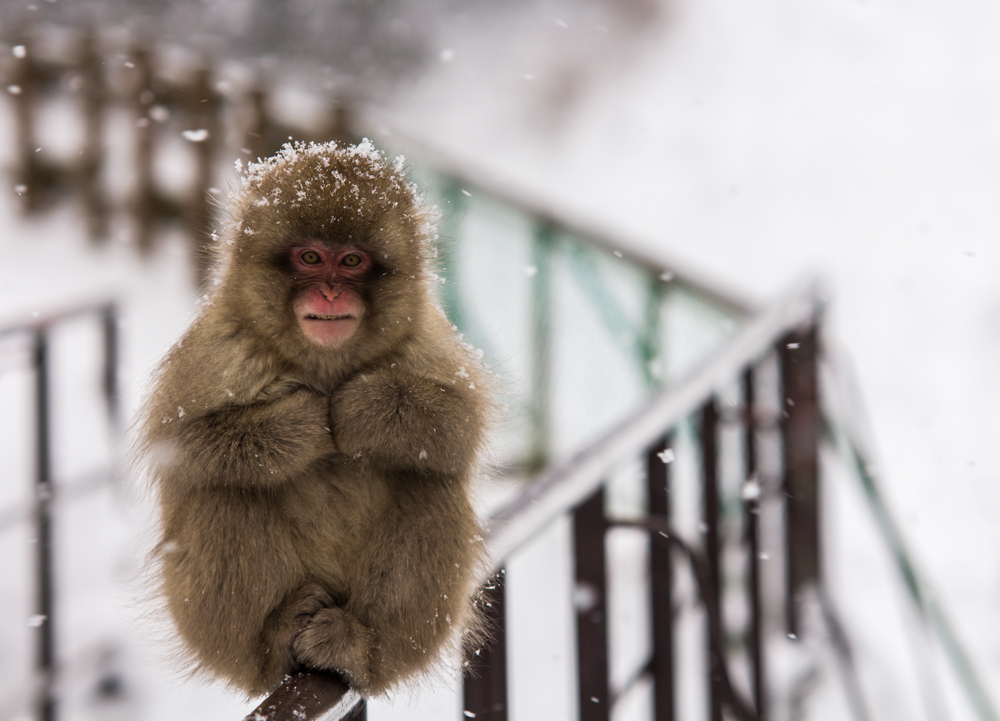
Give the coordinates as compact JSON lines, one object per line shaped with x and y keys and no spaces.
{"x":857,"y":140}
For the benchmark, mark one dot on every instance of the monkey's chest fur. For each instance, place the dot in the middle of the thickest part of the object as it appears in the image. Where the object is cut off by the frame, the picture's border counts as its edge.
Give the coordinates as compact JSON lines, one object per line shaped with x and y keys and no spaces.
{"x":234,"y":557}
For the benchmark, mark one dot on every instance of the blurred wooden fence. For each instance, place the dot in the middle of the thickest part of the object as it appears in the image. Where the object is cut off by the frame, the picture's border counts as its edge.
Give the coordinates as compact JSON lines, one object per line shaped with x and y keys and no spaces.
{"x":163,"y":98}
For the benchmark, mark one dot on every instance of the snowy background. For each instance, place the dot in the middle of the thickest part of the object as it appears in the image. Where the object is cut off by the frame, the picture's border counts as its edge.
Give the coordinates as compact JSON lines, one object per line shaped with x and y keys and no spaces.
{"x":855,"y":140}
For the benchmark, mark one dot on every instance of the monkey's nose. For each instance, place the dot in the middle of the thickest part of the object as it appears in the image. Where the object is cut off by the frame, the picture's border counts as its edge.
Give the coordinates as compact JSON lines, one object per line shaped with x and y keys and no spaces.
{"x":330,"y":292}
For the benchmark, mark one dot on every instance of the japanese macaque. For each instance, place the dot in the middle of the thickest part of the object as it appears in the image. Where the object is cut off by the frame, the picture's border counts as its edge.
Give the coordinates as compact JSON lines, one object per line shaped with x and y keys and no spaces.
{"x":313,"y":435}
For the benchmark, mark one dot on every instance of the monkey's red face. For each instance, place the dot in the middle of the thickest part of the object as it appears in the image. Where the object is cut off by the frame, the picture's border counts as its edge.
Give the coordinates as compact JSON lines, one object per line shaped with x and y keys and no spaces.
{"x":329,"y":306}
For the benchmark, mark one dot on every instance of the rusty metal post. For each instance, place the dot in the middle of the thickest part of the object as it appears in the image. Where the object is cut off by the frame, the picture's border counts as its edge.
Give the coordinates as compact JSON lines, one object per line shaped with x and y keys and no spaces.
{"x":589,"y":528}
{"x":751,"y":511}
{"x":45,"y":702}
{"x":485,"y":683}
{"x":710,"y":526}
{"x":800,"y":430}
{"x":661,"y":581}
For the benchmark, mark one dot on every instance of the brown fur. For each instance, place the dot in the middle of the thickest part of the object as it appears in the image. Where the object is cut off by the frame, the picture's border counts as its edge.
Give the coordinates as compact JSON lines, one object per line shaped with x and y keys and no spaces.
{"x":314,"y":501}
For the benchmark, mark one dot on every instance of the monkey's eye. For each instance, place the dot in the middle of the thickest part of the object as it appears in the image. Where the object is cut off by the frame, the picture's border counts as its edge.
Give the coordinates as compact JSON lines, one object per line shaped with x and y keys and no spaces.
{"x":351,"y":260}
{"x":310,"y":257}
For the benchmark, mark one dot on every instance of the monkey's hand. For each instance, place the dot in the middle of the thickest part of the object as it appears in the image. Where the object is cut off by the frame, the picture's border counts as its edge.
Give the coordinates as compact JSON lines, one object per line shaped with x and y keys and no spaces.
{"x":334,"y":639}
{"x":260,"y":443}
{"x":402,"y":420}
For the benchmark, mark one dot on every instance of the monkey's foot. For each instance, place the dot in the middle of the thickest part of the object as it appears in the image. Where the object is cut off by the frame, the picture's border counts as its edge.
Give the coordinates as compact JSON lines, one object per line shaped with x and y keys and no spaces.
{"x":334,"y":639}
{"x":305,"y":603}
{"x":285,"y":623}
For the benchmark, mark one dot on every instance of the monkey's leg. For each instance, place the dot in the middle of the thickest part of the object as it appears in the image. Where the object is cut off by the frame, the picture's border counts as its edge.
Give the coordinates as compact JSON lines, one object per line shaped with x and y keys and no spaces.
{"x":414,"y":593}
{"x":285,"y":624}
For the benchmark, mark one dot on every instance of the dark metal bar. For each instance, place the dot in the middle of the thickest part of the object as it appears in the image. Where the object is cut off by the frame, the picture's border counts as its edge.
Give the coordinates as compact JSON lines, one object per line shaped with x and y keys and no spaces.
{"x":45,"y":703}
{"x":591,"y":608}
{"x":800,"y":430}
{"x":661,"y":582}
{"x":311,"y":696}
{"x":485,"y":684}
{"x":751,"y":509}
{"x":109,"y":320}
{"x":710,"y":519}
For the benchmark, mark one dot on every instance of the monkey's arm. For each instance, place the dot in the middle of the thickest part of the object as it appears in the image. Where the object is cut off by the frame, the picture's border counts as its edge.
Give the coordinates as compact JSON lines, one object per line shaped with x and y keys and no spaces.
{"x":403,"y":420}
{"x":264,"y":442}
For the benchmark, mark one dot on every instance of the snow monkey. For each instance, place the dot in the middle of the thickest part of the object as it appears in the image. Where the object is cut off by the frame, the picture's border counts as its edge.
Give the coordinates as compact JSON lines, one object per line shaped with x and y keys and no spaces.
{"x":312,"y":436}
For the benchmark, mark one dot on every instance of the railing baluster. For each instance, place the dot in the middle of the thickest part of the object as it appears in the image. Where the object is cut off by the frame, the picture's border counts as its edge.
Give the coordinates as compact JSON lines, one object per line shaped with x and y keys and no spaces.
{"x":45,"y":638}
{"x":661,"y":583}
{"x":540,"y":403}
{"x":800,"y":431}
{"x":589,"y":527}
{"x":485,"y":687}
{"x":751,"y":507}
{"x":109,"y":321}
{"x":710,"y":520}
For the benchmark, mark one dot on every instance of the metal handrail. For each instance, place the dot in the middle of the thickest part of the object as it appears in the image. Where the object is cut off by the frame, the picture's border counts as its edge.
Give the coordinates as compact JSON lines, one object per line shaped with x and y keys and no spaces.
{"x":37,"y":330}
{"x":569,"y":483}
{"x":564,"y":487}
{"x":471,"y":176}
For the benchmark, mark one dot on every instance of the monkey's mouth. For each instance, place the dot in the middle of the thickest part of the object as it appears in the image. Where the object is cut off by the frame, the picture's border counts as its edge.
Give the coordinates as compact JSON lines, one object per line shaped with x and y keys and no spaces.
{"x":316,"y":316}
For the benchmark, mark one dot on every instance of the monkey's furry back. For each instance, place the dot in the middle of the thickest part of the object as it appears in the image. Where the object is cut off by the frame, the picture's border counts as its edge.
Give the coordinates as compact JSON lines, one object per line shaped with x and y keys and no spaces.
{"x":314,"y":501}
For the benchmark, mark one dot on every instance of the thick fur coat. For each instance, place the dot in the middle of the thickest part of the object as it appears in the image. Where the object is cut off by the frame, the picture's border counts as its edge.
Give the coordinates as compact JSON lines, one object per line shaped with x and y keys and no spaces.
{"x":315,"y":501}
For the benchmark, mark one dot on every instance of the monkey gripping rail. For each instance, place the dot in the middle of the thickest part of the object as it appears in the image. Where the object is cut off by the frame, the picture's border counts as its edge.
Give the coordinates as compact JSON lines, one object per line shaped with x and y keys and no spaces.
{"x":789,"y":327}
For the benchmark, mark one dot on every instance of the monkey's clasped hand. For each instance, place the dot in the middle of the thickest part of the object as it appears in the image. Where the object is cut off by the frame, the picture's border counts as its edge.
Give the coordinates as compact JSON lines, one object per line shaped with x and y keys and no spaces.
{"x":313,"y":435}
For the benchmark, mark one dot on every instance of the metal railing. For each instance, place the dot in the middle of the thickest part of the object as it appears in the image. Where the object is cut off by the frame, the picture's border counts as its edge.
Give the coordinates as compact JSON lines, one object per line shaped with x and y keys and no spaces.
{"x":38,"y":333}
{"x":790,"y":329}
